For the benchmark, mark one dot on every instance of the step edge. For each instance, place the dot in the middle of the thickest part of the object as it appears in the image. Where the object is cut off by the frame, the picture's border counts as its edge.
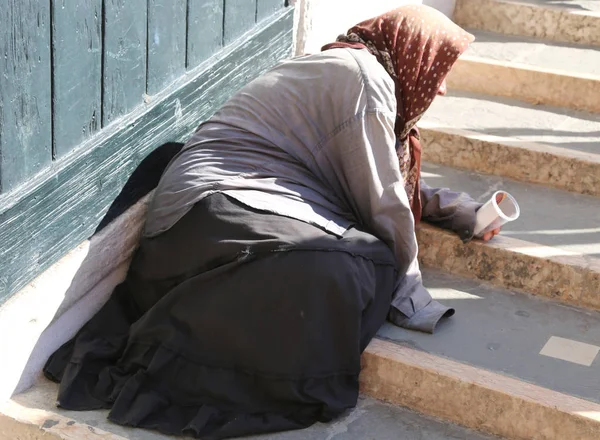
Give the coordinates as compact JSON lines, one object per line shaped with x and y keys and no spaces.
{"x":537,"y":147}
{"x":582,"y":415}
{"x":34,"y":424}
{"x":526,"y":83}
{"x":514,"y":264}
{"x":523,"y":247}
{"x":463,"y":16}
{"x":483,"y":377}
{"x":468,"y":59}
{"x":456,"y":392}
{"x":513,"y":38}
{"x":560,"y":9}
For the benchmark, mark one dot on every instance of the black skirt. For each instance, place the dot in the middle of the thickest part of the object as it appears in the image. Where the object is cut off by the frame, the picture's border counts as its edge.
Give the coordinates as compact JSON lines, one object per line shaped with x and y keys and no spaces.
{"x":233,"y":322}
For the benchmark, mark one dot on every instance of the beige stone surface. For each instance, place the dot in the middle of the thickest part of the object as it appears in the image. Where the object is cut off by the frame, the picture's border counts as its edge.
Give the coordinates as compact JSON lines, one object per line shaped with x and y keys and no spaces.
{"x":549,"y":165}
{"x":527,"y":83}
{"x":574,"y":58}
{"x":475,"y":398}
{"x":518,"y":120}
{"x":534,"y":20}
{"x":18,"y":422}
{"x":514,"y":264}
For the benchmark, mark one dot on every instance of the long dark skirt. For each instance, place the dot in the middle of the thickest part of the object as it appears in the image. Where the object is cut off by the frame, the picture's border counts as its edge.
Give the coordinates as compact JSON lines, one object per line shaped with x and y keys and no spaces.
{"x":233,"y":322}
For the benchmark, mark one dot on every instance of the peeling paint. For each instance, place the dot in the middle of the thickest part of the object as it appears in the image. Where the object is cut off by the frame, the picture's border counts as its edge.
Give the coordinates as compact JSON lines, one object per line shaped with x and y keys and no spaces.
{"x":65,"y":207}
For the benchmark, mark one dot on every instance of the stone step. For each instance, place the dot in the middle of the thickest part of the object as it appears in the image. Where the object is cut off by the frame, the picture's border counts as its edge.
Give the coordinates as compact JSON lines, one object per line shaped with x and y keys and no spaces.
{"x":507,"y":363}
{"x":574,"y":58}
{"x":34,"y":412}
{"x":570,"y":21}
{"x":552,"y":250}
{"x":538,"y":144}
{"x":535,"y":71}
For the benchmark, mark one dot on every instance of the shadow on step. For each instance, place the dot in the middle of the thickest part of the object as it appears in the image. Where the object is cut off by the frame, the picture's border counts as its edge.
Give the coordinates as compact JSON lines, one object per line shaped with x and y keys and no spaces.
{"x":95,"y":269}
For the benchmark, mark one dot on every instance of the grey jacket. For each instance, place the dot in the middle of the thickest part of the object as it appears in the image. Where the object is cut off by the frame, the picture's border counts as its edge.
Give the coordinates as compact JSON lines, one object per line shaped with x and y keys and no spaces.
{"x":313,"y":139}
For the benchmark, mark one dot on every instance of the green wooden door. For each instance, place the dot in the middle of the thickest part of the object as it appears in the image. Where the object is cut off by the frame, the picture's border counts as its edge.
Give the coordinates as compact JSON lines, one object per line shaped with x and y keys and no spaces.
{"x":88,"y":88}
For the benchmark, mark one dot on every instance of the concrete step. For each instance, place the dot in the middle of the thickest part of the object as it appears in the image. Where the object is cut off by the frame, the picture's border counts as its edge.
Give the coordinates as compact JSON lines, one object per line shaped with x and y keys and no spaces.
{"x":34,"y":412}
{"x":538,"y":144}
{"x":552,"y":250}
{"x":568,"y":21}
{"x":507,"y":363}
{"x":535,"y":71}
{"x":574,"y":58}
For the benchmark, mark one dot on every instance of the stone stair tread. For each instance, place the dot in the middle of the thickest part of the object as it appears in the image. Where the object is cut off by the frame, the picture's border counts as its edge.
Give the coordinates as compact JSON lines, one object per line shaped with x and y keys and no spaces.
{"x":568,"y":223}
{"x":370,"y":419}
{"x":575,"y":21}
{"x":503,"y":331}
{"x":509,"y":118}
{"x":575,"y":5}
{"x":570,"y":58}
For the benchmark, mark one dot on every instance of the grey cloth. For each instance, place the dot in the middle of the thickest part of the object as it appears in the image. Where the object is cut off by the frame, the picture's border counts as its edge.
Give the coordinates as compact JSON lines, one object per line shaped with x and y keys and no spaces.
{"x":313,"y":139}
{"x":448,"y":209}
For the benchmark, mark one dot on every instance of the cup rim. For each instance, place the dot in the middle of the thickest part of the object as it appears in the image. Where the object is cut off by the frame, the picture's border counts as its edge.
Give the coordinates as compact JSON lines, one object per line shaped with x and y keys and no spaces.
{"x":499,"y":210}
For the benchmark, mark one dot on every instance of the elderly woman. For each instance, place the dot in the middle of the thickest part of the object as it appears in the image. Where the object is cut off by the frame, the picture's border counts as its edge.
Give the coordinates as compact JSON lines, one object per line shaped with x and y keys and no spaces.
{"x":278,"y":241}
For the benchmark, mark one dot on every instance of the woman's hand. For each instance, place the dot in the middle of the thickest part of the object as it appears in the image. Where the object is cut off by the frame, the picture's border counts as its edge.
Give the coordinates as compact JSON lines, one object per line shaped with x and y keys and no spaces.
{"x":489,"y":235}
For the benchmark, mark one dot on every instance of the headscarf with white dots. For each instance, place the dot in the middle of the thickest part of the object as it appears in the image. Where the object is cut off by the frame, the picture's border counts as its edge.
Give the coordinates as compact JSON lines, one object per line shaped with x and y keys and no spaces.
{"x":417,"y":45}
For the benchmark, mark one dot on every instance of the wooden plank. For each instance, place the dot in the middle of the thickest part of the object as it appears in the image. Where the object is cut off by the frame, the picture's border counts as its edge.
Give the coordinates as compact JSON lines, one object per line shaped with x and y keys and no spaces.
{"x":266,"y":8}
{"x":240,"y":16}
{"x":76,"y":72}
{"x":25,"y":92}
{"x":124,"y":55}
{"x":204,"y":30}
{"x":59,"y":211}
{"x":166,"y":43}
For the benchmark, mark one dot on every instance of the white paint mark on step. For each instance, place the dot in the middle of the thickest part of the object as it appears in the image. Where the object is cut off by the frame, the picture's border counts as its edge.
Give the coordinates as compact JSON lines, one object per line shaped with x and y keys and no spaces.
{"x":563,"y":250}
{"x":594,"y":415}
{"x":430,"y":175}
{"x":554,"y":232}
{"x":571,"y":351}
{"x":438,"y":293}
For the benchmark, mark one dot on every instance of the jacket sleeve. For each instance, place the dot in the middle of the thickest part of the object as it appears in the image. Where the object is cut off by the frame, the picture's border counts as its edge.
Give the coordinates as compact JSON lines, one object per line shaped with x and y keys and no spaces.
{"x":364,"y":167}
{"x":449,"y":209}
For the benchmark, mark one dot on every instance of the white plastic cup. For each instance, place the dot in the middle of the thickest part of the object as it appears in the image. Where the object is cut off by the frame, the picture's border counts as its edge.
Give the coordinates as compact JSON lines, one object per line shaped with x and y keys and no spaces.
{"x":499,"y":210}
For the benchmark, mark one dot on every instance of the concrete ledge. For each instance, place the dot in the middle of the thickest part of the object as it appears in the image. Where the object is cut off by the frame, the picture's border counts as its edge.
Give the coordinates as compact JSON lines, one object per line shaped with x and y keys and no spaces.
{"x":475,"y":398}
{"x":515,"y":18}
{"x":20,"y":423}
{"x":558,"y":167}
{"x":52,"y":308}
{"x":432,"y":385}
{"x":515,"y":264}
{"x":535,"y":85}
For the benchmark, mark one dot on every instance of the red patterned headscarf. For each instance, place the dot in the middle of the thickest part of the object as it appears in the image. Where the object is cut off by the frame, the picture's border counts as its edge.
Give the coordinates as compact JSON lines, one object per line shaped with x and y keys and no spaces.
{"x":417,"y":45}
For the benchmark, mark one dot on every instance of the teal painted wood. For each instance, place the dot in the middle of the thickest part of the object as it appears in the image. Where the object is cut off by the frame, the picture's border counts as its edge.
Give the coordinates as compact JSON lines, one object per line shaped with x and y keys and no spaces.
{"x":59,"y":211}
{"x":204,"y":30}
{"x":266,"y":8}
{"x":124,"y":56}
{"x":166,"y":43}
{"x":77,"y":73}
{"x":25,"y":93}
{"x":240,"y":16}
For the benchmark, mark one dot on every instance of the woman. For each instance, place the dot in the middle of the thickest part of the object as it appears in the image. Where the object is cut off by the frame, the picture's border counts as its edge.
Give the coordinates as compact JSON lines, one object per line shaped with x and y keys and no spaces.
{"x":278,"y":241}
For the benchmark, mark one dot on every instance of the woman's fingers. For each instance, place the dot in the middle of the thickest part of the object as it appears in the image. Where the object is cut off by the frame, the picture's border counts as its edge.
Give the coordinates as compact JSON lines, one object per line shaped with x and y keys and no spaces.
{"x":489,"y":235}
